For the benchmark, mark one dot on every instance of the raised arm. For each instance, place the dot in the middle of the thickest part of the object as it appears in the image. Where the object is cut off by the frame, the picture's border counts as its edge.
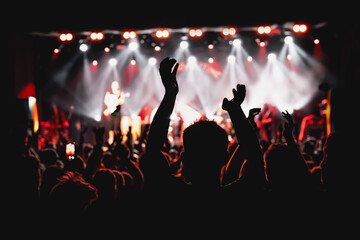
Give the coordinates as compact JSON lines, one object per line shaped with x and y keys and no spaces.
{"x":160,"y":123}
{"x":253,"y":170}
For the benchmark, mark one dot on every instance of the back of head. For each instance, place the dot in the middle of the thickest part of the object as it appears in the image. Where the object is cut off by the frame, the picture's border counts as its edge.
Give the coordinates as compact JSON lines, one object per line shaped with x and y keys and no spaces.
{"x":105,"y":182}
{"x":282,"y":168}
{"x":205,"y":149}
{"x":72,"y":195}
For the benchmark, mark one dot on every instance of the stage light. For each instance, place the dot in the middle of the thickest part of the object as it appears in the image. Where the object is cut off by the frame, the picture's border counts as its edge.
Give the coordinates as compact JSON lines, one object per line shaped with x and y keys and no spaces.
{"x":195,"y":32}
{"x":66,"y":37}
{"x":129,"y":35}
{"x":83,"y":47}
{"x":264,"y":30}
{"x":162,"y":33}
{"x":152,"y":61}
{"x":107,"y":49}
{"x":299,"y":28}
{"x":56,"y":50}
{"x":210,"y":60}
{"x":96,"y":36}
{"x":249,"y":59}
{"x":192,"y":60}
{"x":316,"y":41}
{"x":112,"y":61}
{"x":133,"y":46}
{"x":211,"y":46}
{"x":288,"y":39}
{"x":289,"y":57}
{"x":231,"y":59}
{"x":262,"y":44}
{"x":157,"y":48}
{"x":133,"y":62}
{"x":229,"y":31}
{"x":94,"y":63}
{"x":184,"y":44}
{"x":272,"y":56}
{"x":236,"y":43}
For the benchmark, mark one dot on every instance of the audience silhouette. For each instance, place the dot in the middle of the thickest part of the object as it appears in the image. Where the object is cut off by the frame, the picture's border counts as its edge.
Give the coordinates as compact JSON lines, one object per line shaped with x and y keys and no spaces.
{"x":208,"y":169}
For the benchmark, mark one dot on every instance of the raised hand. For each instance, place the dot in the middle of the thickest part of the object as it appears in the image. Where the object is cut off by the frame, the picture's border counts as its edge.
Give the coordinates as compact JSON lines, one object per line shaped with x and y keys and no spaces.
{"x":168,"y":69}
{"x":289,"y":125}
{"x":239,"y":96}
{"x":253,"y":112}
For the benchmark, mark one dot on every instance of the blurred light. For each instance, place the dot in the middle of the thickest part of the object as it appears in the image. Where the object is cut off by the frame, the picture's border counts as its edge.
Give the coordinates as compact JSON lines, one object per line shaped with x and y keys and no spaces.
{"x":133,"y":62}
{"x":299,"y":28}
{"x":129,"y":35}
{"x":211,"y":46}
{"x":288,"y":39}
{"x":249,"y":59}
{"x":229,"y":31}
{"x":316,"y":41}
{"x":66,"y":37}
{"x":133,"y":46}
{"x":264,"y":29}
{"x":162,"y":33}
{"x":262,"y":44}
{"x":184,"y":44}
{"x":152,"y":61}
{"x":272,"y":56}
{"x":56,"y":50}
{"x":192,"y":60}
{"x":289,"y":57}
{"x":94,"y":63}
{"x":106,"y":49}
{"x":96,"y":36}
{"x":97,"y":117}
{"x":195,"y":32}
{"x":210,"y":60}
{"x":112,"y":61}
{"x":157,"y":48}
{"x":83,"y":47}
{"x":231,"y":59}
{"x":236,"y":43}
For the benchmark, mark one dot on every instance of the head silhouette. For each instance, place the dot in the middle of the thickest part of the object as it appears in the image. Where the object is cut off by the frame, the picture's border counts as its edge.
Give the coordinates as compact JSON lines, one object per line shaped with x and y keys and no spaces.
{"x":205,"y":152}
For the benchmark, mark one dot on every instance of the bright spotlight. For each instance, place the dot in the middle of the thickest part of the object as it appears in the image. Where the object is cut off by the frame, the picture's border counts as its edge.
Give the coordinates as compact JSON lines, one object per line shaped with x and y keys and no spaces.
{"x":210,"y":60}
{"x":66,"y":37}
{"x":83,"y":47}
{"x":112,"y":61}
{"x":192,"y":60}
{"x":94,"y":63}
{"x":229,"y":31}
{"x":264,"y":29}
{"x":133,"y":46}
{"x":272,"y":56}
{"x":162,"y":33}
{"x":195,"y":32}
{"x":133,"y":62}
{"x":97,"y":117}
{"x":152,"y":61}
{"x":236,"y":43}
{"x":299,"y":28}
{"x":129,"y":35}
{"x":249,"y":59}
{"x":231,"y":59}
{"x":316,"y":41}
{"x":184,"y":44}
{"x":288,"y":39}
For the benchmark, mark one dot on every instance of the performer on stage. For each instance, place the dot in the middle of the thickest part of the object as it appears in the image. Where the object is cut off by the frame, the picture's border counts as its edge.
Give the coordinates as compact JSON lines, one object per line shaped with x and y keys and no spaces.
{"x":113,"y":101}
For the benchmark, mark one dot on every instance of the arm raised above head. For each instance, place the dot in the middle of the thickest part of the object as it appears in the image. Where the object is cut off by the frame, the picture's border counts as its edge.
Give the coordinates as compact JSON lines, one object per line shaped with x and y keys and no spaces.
{"x":246,"y":136}
{"x":160,"y":123}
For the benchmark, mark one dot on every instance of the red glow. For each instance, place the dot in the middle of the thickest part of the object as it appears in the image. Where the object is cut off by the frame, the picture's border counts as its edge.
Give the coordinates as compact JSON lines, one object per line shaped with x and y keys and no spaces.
{"x":300,"y":28}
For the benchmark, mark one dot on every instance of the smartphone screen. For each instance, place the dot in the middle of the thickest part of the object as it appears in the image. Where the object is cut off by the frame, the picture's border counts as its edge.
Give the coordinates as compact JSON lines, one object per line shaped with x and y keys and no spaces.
{"x":70,"y":151}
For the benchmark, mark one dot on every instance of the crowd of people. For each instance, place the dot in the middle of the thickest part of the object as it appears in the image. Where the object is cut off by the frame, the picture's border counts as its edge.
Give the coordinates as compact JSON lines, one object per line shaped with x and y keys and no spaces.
{"x":104,"y":178}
